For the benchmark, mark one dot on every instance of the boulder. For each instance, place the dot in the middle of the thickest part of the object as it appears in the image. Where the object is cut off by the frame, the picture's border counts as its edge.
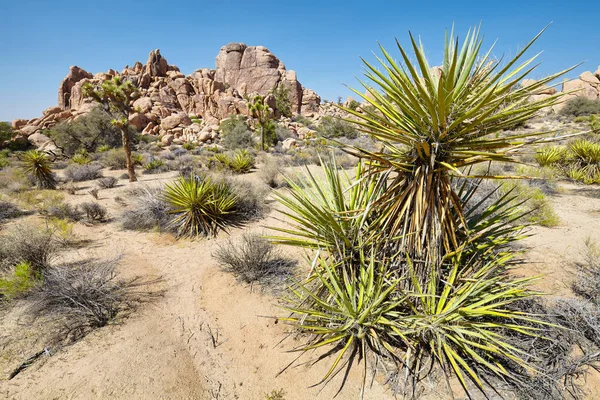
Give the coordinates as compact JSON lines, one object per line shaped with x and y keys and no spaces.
{"x":172,"y":121}
{"x":580,"y":88}
{"x":597,"y":73}
{"x":156,"y":65}
{"x":138,"y":120}
{"x":288,"y":144}
{"x":310,"y":101}
{"x":588,"y":77}
{"x":143,"y":104}
{"x":75,"y":75}
{"x":148,"y":130}
{"x":167,"y":139}
{"x":38,"y":139}
{"x":19,"y":123}
{"x":30,"y":130}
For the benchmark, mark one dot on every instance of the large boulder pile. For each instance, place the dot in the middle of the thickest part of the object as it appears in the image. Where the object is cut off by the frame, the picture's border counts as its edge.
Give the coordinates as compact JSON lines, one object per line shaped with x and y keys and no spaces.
{"x":168,"y":98}
{"x":587,"y":85}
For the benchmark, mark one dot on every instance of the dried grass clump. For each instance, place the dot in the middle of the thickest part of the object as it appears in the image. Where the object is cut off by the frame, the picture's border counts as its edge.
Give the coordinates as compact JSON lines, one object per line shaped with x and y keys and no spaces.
{"x":87,"y":295}
{"x":150,"y":211}
{"x":94,"y":212}
{"x":8,"y":210}
{"x":253,"y":259}
{"x":27,"y":243}
{"x":107,"y":183}
{"x":85,"y":172}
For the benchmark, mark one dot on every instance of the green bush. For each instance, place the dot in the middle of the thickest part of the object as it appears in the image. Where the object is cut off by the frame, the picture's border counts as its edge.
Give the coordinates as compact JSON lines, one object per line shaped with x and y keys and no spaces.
{"x":240,"y":162}
{"x":240,"y":137}
{"x":88,"y":133}
{"x":6,"y":131}
{"x":155,"y":166}
{"x":229,"y":124}
{"x":283,"y":103}
{"x":580,"y":106}
{"x":334,"y":127}
{"x":18,"y":282}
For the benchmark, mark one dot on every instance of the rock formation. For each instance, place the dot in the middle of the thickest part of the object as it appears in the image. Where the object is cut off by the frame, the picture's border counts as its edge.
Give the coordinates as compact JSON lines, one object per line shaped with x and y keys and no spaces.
{"x":168,"y":97}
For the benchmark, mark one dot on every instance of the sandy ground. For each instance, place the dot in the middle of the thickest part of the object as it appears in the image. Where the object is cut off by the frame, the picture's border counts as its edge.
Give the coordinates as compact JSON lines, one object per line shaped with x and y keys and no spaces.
{"x":211,"y":337}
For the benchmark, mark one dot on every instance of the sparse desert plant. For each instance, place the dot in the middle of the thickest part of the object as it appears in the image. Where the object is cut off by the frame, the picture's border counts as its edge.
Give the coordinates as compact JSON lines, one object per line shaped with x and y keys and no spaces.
{"x":85,"y":172}
{"x":331,"y":127}
{"x":91,"y":132}
{"x":240,"y":137}
{"x":27,"y":243}
{"x":270,"y":172}
{"x":107,"y":183}
{"x":94,"y":212}
{"x":87,"y":295}
{"x":551,"y":155}
{"x":580,"y":106}
{"x":150,"y":210}
{"x":37,"y":164}
{"x":114,"y":159}
{"x":199,"y":206}
{"x":14,"y":180}
{"x":253,"y":259}
{"x":17,"y":282}
{"x":155,"y":166}
{"x":8,"y":210}
{"x":94,"y":192}
{"x":62,"y":210}
{"x":275,"y":395}
{"x":81,"y":159}
{"x":587,"y":284}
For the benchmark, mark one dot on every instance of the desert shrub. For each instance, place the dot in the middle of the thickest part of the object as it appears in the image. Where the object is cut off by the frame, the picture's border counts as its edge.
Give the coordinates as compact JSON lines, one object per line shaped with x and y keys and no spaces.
{"x":283,"y":102}
{"x":94,"y":212}
{"x":18,"y":281}
{"x":353,"y":104}
{"x":185,"y":164}
{"x":275,"y":395}
{"x":579,"y":106}
{"x":62,"y":210}
{"x":199,"y":206}
{"x":4,"y":158}
{"x":240,"y":137}
{"x":80,"y":173}
{"x":114,"y":159}
{"x":14,"y":180}
{"x":37,"y":165}
{"x":188,"y":146}
{"x":103,"y":148}
{"x":107,"y":183}
{"x":41,"y":200}
{"x":229,"y":124}
{"x":88,"y":133}
{"x":270,"y":172}
{"x":282,"y":133}
{"x":6,"y":131}
{"x":551,"y":155}
{"x":155,"y":166}
{"x":579,"y":161}
{"x":149,"y":211}
{"x":8,"y":210}
{"x":87,"y":295}
{"x":587,"y":284}
{"x":253,"y":259}
{"x":81,"y":159}
{"x":301,"y":119}
{"x":334,"y":127}
{"x":27,"y":243}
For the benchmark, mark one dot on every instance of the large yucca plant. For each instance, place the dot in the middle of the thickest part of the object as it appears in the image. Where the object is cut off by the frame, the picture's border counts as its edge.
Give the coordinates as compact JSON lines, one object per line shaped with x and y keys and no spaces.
{"x":432,"y":122}
{"x":37,"y":164}
{"x":199,"y":206}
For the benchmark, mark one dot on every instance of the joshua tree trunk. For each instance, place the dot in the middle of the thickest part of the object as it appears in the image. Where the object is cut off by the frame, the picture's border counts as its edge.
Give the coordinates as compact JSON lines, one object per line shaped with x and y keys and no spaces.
{"x":127,"y":148}
{"x":262,"y":137}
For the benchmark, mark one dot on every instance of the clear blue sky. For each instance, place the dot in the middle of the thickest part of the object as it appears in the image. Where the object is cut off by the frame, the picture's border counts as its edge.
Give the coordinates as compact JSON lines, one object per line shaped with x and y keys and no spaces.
{"x":321,"y":40}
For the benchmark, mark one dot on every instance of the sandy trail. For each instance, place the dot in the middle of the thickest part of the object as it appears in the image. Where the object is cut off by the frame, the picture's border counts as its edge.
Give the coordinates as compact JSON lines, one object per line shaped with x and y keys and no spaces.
{"x":211,"y":337}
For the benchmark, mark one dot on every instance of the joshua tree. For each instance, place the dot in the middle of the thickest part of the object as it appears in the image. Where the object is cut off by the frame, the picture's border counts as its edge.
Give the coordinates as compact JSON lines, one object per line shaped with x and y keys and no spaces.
{"x":262,"y":112}
{"x":115,"y":97}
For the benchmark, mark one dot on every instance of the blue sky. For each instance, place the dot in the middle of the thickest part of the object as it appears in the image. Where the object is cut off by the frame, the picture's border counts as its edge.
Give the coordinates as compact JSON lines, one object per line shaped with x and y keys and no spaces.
{"x":321,"y":40}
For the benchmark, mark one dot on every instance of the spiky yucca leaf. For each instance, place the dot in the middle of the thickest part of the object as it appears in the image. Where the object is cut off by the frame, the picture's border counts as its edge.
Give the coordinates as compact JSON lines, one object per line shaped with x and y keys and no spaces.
{"x":241,"y":162}
{"x":331,"y":212}
{"x":199,"y":206}
{"x":349,"y":305}
{"x":552,"y":155}
{"x":37,"y":164}
{"x":432,"y":122}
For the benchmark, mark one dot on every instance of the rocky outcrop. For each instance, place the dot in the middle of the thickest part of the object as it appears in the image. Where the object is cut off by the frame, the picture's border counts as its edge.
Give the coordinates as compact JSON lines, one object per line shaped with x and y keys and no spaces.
{"x":255,"y":70}
{"x":168,"y":98}
{"x":75,"y":75}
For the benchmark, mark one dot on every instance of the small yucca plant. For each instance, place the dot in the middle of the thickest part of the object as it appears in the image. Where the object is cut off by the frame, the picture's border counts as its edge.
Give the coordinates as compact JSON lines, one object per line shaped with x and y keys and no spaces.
{"x":199,"y":206}
{"x":552,"y":155}
{"x":37,"y":164}
{"x":241,"y":162}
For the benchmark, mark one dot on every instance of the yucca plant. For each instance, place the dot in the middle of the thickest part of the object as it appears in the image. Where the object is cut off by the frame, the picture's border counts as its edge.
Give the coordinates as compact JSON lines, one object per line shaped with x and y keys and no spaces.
{"x":433,"y":122}
{"x":241,"y":162}
{"x":37,"y":164}
{"x":199,"y":206}
{"x":586,"y":163}
{"x":552,"y":155}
